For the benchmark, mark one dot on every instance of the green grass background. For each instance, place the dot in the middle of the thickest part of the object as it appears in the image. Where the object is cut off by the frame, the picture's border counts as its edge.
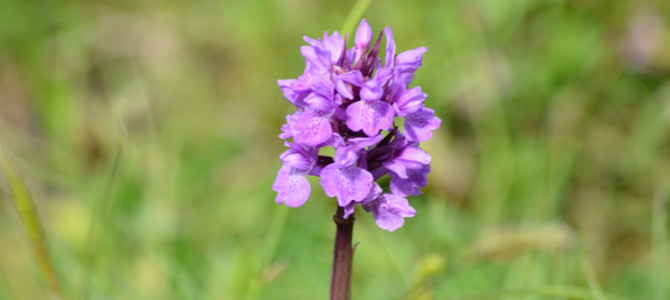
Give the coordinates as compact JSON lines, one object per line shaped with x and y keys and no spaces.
{"x":146,"y":133}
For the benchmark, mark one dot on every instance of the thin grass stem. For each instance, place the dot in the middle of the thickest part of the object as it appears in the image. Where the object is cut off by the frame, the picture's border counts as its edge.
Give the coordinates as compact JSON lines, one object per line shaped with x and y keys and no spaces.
{"x":27,"y":213}
{"x":354,"y":15}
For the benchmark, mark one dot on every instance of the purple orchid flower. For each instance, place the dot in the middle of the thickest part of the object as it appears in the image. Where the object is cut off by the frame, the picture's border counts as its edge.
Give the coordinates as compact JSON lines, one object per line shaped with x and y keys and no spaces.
{"x":349,"y":100}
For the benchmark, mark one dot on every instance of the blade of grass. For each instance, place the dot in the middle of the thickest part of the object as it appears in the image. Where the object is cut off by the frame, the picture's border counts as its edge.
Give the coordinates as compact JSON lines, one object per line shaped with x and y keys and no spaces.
{"x":270,"y":244}
{"x":25,"y":208}
{"x":354,"y":15}
{"x":591,"y":278}
{"x":98,"y":219}
{"x":492,"y":134}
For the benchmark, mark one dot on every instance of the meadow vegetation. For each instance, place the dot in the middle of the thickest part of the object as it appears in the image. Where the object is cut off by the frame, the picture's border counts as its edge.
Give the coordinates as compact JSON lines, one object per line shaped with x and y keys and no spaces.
{"x":146,"y":135}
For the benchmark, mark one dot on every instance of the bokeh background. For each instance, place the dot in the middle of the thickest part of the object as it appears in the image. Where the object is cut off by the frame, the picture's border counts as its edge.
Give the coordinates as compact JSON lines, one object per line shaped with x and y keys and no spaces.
{"x":146,"y":132}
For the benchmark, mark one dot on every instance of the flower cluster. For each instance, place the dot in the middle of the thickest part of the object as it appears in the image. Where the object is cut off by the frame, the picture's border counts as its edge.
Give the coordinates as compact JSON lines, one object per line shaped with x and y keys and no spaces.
{"x":349,"y":100}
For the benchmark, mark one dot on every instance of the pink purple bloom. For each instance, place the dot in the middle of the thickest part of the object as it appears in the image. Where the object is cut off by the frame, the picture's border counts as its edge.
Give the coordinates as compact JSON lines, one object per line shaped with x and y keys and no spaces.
{"x":349,"y":100}
{"x":389,"y":211}
{"x":344,"y":178}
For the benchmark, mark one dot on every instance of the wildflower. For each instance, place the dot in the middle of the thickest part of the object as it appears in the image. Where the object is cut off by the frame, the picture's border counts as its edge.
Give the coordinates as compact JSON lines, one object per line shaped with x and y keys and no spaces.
{"x":347,"y":99}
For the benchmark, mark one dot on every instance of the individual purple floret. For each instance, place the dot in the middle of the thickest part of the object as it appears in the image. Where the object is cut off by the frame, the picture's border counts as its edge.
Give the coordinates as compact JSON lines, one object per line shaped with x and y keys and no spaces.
{"x":389,"y":211}
{"x":344,"y":178}
{"x":349,"y":100}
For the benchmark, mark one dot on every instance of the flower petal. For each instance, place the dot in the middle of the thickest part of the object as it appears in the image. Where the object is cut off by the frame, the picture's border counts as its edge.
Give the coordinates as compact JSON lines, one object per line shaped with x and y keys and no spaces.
{"x":299,"y":157}
{"x":418,"y":125}
{"x":322,"y":85}
{"x":409,"y":186}
{"x":410,"y":60}
{"x":375,"y":192}
{"x":411,"y":157}
{"x":334,"y":44}
{"x":349,"y":209}
{"x":390,"y":210}
{"x":371,"y":91}
{"x":389,"y":59}
{"x":364,"y":142}
{"x":344,"y":82}
{"x":294,"y":90}
{"x":346,"y":156}
{"x":410,"y":101}
{"x":313,"y":127}
{"x":315,"y":58}
{"x":362,"y":40}
{"x":369,"y":116}
{"x":347,"y":184}
{"x":319,"y":102}
{"x":363,"y":35}
{"x":292,"y":187}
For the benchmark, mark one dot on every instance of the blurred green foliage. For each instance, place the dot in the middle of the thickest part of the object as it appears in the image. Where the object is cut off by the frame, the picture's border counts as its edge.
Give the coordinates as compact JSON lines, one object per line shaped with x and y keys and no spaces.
{"x":147,"y":134}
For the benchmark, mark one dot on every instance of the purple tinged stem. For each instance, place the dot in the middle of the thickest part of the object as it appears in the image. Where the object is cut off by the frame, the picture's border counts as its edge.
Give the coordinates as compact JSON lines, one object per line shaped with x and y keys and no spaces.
{"x":343,"y":254}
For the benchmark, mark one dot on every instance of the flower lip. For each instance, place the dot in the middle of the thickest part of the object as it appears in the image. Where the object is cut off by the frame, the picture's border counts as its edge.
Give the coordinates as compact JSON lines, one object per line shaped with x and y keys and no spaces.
{"x":389,"y":211}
